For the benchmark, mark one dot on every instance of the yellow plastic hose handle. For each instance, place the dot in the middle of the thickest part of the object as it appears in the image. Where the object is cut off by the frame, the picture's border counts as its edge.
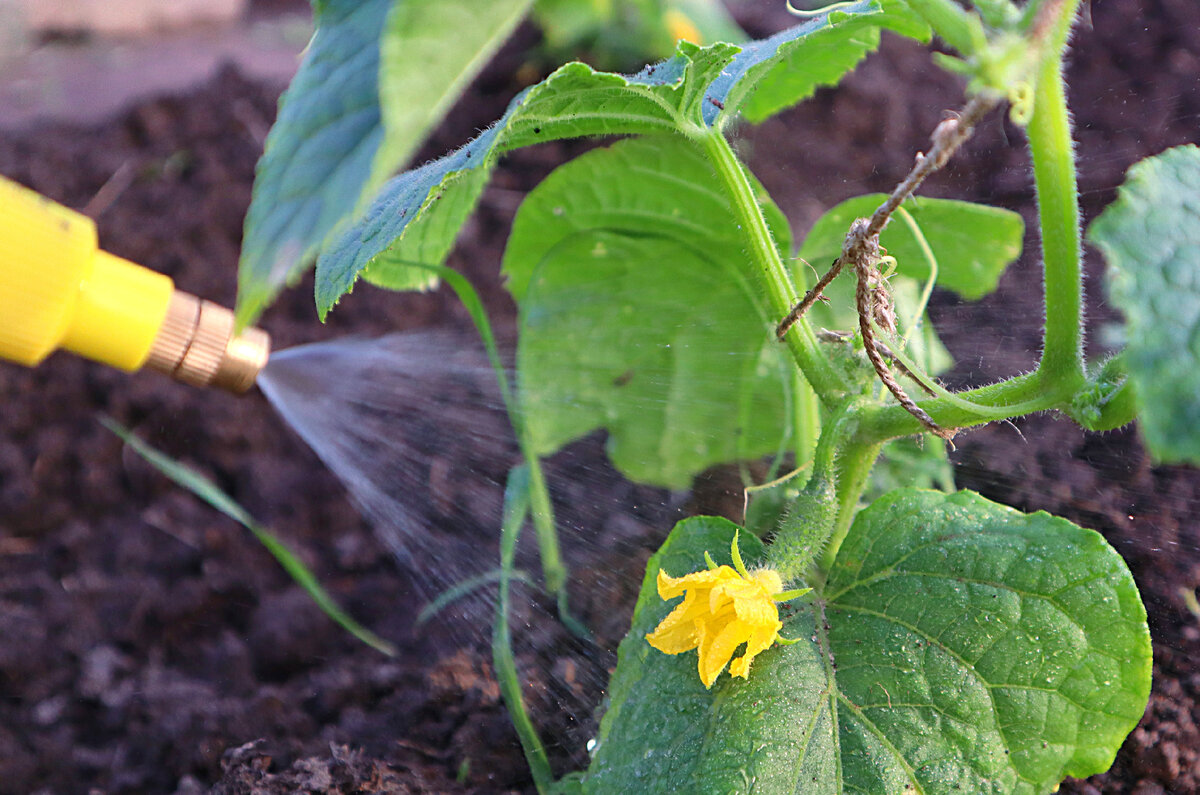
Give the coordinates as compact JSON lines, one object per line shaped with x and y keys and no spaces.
{"x":59,"y":290}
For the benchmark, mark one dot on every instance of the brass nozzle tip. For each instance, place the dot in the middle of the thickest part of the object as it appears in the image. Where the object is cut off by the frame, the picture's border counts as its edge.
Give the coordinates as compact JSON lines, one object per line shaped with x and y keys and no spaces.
{"x":196,"y":345}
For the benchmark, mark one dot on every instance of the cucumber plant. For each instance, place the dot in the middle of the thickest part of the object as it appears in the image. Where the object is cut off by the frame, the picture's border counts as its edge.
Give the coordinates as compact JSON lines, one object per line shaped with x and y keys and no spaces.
{"x":896,"y":639}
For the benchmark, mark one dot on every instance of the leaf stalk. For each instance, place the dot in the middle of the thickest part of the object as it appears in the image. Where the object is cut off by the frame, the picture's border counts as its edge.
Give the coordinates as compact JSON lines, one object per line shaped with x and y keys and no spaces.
{"x":1060,"y":374}
{"x":1061,"y":370}
{"x":781,"y":293}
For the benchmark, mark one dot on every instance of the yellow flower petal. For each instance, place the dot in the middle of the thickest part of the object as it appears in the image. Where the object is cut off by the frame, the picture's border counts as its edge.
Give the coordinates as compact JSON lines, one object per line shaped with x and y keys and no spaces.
{"x":718,"y":640}
{"x":757,"y":610}
{"x":669,"y":587}
{"x":677,"y":632}
{"x":722,"y":610}
{"x":759,"y":641}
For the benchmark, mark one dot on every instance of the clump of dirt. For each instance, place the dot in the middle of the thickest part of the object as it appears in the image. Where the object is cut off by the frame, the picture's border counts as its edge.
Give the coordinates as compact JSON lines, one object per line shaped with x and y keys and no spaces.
{"x":150,"y":645}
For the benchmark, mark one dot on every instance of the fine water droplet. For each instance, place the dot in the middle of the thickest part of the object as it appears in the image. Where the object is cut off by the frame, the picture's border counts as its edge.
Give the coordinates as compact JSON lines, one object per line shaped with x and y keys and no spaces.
{"x":380,"y":413}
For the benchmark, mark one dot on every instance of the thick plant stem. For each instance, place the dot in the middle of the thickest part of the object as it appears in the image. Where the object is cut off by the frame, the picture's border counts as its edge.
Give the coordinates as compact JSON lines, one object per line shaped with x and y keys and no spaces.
{"x":816,"y":523}
{"x":774,"y":275}
{"x":1012,"y":398}
{"x":807,"y":417}
{"x":854,"y":470}
{"x":1061,"y":370}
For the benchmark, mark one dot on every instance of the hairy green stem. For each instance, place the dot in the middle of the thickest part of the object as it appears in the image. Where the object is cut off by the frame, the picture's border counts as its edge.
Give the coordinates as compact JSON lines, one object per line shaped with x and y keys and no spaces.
{"x":781,"y":293}
{"x":1061,"y":370}
{"x":818,"y":520}
{"x":1010,"y":398}
{"x":835,"y":433}
{"x":807,"y":418}
{"x":1060,"y":374}
{"x":917,"y":373}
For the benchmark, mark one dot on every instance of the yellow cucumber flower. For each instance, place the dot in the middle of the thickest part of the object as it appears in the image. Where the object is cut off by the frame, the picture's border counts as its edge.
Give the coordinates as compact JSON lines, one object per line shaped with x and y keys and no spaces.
{"x":722,"y":608}
{"x":680,"y":26}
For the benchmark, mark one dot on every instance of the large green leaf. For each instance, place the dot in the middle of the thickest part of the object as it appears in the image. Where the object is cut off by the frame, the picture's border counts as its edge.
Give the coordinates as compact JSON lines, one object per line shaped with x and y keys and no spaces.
{"x":697,"y":88}
{"x":973,"y":243}
{"x":376,"y":78}
{"x":430,"y":53}
{"x":636,"y":315}
{"x":957,"y":646}
{"x":319,"y":155}
{"x":1150,"y":237}
{"x":773,"y":74}
{"x":418,"y":214}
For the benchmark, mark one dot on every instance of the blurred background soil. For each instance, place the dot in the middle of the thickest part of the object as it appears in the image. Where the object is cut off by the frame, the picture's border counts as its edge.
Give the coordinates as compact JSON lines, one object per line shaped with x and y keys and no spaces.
{"x":149,"y":645}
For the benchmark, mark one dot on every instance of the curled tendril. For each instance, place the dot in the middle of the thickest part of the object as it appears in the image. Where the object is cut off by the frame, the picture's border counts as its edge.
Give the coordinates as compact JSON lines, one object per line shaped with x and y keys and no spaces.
{"x":889,"y":266}
{"x":816,"y":12}
{"x":1020,"y":101}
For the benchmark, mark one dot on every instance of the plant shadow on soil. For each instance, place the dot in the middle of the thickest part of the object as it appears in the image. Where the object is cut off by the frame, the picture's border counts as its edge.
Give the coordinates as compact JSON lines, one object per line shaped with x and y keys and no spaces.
{"x":149,"y":645}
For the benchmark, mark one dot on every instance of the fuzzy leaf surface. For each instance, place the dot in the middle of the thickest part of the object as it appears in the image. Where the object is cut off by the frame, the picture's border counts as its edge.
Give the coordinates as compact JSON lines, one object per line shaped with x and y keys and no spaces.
{"x":695,"y":89}
{"x":973,"y":243}
{"x":636,"y":314}
{"x":1150,"y":237}
{"x":775,"y":73}
{"x":430,"y":53}
{"x":957,"y":646}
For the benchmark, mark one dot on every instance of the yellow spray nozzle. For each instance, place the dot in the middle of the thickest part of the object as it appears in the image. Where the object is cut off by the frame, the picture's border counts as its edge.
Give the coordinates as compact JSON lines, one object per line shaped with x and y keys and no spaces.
{"x":59,"y":290}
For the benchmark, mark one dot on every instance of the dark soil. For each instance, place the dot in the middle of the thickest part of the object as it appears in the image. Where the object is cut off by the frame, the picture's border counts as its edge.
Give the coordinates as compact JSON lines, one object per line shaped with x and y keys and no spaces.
{"x":148,"y":645}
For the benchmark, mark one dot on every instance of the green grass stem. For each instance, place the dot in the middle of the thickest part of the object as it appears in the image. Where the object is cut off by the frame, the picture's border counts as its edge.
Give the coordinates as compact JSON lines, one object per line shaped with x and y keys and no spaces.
{"x":554,"y":571}
{"x":208,"y":491}
{"x":516,"y":508}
